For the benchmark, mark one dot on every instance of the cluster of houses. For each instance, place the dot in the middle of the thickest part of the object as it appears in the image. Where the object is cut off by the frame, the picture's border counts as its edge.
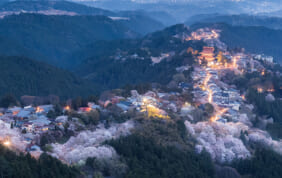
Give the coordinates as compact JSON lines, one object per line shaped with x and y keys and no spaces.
{"x":222,"y":95}
{"x":29,"y":119}
{"x":208,"y":87}
{"x":154,"y":104}
{"x":33,"y":121}
{"x":267,"y":59}
{"x":209,"y":36}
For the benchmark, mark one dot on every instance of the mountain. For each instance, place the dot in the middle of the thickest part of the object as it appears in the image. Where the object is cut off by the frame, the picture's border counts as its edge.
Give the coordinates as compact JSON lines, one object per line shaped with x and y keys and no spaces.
{"x":253,"y":39}
{"x":160,"y":16}
{"x":22,"y":76}
{"x":54,"y":38}
{"x":181,"y":11}
{"x":118,"y":63}
{"x":277,"y":13}
{"x":53,"y":5}
{"x":139,"y":22}
{"x":237,"y":20}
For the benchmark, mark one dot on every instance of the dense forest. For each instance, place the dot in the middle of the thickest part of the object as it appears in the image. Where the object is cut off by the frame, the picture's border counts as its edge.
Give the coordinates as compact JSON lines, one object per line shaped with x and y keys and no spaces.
{"x":147,"y":159}
{"x":52,"y":38}
{"x":22,"y":76}
{"x":14,"y":165}
{"x":107,"y":67}
{"x":114,"y":74}
{"x":265,"y":163}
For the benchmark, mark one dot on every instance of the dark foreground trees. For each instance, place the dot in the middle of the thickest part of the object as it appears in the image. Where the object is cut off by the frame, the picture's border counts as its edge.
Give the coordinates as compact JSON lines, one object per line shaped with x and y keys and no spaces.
{"x":146,"y":159}
{"x":24,"y":166}
{"x":265,"y":163}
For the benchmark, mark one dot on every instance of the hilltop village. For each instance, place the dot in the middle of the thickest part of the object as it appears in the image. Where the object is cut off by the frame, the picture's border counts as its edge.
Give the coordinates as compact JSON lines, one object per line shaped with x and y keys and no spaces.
{"x":216,"y":112}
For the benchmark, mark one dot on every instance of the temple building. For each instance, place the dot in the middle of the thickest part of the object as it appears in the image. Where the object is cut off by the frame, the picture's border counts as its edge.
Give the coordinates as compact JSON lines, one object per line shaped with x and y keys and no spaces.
{"x":207,"y":54}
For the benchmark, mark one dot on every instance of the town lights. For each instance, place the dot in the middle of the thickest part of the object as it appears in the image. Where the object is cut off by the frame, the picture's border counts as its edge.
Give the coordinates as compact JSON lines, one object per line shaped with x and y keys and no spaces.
{"x":186,"y":104}
{"x":145,"y":101}
{"x":39,"y":110}
{"x":7,"y":143}
{"x":210,"y":97}
{"x":214,"y":118}
{"x":218,"y":114}
{"x":234,"y":62}
{"x":243,"y":97}
{"x":67,"y":108}
{"x":260,"y":90}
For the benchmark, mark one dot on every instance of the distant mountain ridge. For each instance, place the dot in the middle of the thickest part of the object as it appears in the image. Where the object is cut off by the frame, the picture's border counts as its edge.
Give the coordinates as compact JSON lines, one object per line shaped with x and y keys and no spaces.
{"x":139,"y":22}
{"x":237,"y":20}
{"x":57,"y":5}
{"x":53,"y":38}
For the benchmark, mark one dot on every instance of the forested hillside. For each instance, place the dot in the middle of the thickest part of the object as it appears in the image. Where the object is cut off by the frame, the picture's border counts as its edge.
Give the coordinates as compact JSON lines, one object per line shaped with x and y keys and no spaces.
{"x":140,"y":22}
{"x":13,"y":165}
{"x":118,"y":63}
{"x":53,"y":38}
{"x":22,"y":76}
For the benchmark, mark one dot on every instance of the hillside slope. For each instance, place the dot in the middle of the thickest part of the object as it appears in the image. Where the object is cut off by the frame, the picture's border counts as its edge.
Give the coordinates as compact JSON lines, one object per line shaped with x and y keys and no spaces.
{"x":123,"y":62}
{"x":21,"y":76}
{"x":137,"y":21}
{"x":53,"y":38}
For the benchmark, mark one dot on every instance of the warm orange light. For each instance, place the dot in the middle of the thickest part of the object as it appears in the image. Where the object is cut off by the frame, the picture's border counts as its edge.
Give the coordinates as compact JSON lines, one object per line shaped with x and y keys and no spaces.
{"x":218,"y":114}
{"x":210,"y":96}
{"x":263,"y":73}
{"x":152,"y":111}
{"x":260,"y":90}
{"x":270,"y":90}
{"x":234,"y":62}
{"x":45,"y":129}
{"x":15,"y":113}
{"x":243,"y":97}
{"x":39,"y":110}
{"x":186,"y":104}
{"x":67,"y":108}
{"x":7,"y":143}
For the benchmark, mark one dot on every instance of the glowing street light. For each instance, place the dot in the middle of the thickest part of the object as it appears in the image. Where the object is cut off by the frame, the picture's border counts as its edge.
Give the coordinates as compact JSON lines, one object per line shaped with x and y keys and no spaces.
{"x":7,"y":143}
{"x":260,"y":90}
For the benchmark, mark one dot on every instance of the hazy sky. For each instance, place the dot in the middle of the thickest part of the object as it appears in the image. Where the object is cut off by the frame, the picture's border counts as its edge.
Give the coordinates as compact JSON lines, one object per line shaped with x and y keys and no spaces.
{"x":144,"y":1}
